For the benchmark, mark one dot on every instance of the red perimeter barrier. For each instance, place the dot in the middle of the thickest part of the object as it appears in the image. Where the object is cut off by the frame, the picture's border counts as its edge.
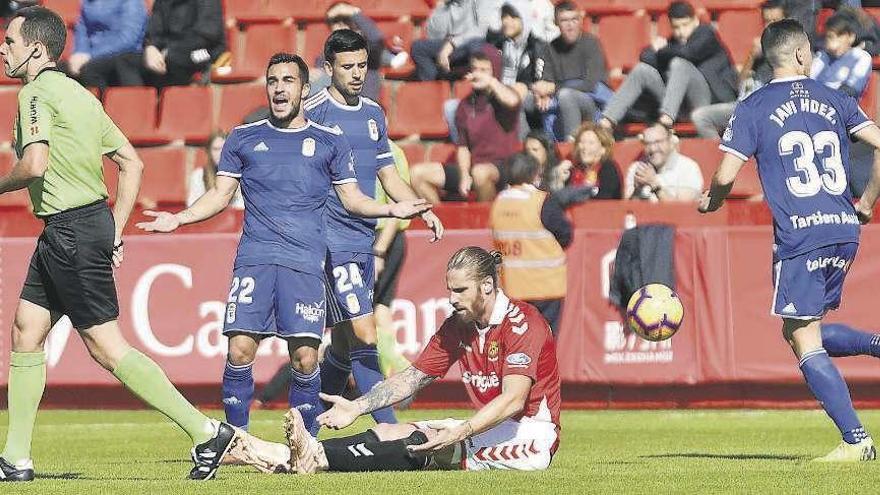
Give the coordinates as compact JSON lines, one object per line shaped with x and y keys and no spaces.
{"x":729,"y":352}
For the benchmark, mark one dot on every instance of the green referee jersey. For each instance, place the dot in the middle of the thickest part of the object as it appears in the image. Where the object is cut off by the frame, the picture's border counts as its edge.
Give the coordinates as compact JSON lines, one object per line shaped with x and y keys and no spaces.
{"x":58,"y":111}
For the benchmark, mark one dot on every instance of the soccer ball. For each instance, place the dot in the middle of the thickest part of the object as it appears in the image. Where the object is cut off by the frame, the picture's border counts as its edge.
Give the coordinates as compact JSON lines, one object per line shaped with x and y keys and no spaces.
{"x":654,"y":312}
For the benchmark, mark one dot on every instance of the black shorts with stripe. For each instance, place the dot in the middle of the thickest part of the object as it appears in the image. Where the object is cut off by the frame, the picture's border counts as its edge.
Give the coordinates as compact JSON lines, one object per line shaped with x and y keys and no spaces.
{"x":71,"y":270}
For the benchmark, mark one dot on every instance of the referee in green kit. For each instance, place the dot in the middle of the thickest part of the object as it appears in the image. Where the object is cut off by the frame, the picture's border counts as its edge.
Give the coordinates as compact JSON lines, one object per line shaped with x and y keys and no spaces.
{"x":61,"y":133}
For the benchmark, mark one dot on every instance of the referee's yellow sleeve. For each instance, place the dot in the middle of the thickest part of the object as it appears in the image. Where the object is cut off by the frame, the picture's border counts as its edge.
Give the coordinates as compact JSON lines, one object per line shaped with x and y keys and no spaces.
{"x":111,"y":138}
{"x":34,"y":117}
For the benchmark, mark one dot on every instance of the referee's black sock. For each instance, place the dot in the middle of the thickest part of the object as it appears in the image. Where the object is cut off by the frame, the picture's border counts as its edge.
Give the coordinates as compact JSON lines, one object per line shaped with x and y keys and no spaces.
{"x":358,"y":453}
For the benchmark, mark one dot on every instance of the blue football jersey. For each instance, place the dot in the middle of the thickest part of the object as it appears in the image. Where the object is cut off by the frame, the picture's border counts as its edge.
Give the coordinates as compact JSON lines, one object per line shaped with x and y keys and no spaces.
{"x":363,"y":125}
{"x":285,"y":177}
{"x":798,"y":130}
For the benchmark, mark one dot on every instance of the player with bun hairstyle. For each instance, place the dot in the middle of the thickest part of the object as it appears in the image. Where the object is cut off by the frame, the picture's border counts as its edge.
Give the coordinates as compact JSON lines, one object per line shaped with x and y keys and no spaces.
{"x":507,"y":357}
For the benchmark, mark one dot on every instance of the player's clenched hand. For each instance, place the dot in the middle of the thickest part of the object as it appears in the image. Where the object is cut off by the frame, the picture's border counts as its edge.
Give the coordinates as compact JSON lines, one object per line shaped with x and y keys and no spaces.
{"x":446,"y":436}
{"x":409,"y":208}
{"x":342,"y":414}
{"x":434,"y":224}
{"x":164,"y":222}
{"x":864,"y":213}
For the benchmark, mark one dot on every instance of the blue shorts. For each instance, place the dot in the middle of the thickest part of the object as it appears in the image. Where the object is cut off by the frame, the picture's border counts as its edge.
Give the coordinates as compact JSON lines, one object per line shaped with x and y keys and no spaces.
{"x":349,"y":278}
{"x":275,"y":300}
{"x":807,"y":286}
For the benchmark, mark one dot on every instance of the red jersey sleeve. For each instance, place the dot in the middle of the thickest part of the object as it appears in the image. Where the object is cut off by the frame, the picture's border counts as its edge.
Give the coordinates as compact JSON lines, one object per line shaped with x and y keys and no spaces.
{"x":523,"y":344}
{"x":442,"y":351}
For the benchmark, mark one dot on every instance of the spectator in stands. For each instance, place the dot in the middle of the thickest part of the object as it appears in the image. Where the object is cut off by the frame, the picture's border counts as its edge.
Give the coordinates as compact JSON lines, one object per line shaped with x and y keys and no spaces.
{"x":662,"y":173}
{"x":487,"y":121}
{"x":106,"y":30}
{"x":710,"y":120}
{"x":691,"y":65}
{"x":520,"y":52}
{"x":841,"y":64}
{"x":202,"y":179}
{"x":455,"y":29}
{"x":343,"y":15}
{"x":530,"y":228}
{"x":571,"y":76}
{"x":592,"y":162}
{"x":183,"y":38}
{"x":550,"y":168}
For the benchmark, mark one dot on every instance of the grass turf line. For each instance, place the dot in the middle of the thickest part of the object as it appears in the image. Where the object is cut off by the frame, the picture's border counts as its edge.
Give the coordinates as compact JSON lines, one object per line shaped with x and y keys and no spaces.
{"x":133,"y":452}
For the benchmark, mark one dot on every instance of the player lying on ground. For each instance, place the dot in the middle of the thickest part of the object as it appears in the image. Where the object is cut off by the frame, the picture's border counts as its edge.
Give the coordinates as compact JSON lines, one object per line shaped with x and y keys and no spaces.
{"x":507,"y":357}
{"x":799,"y":131}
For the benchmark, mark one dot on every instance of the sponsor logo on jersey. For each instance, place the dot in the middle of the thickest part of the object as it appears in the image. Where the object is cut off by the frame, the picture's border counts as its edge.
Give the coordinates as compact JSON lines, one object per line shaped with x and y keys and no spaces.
{"x":492,"y":352}
{"x":33,"y":109}
{"x":354,"y":306}
{"x":480,"y":381}
{"x":310,"y":312}
{"x":231,"y":401}
{"x":308,"y":147}
{"x":374,"y":129}
{"x":230,"y":312}
{"x":261,"y":146}
{"x":833,"y":261}
{"x":728,"y":132}
{"x":519,"y":360}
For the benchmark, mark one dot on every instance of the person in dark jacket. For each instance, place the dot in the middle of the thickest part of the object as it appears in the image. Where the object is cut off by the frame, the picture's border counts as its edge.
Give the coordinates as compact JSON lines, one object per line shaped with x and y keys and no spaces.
{"x":691,"y":65}
{"x":106,"y":30}
{"x":571,"y":77}
{"x":183,"y":38}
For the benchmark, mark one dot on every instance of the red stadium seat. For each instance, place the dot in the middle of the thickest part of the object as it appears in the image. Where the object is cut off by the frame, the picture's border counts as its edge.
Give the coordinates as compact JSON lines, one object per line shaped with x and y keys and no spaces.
{"x":301,"y":10}
{"x":393,"y":9}
{"x":623,"y":38}
{"x":316,"y":34}
{"x":238,"y":100}
{"x":415,"y":152}
{"x":8,"y":111}
{"x":134,"y":110}
{"x":261,"y":41}
{"x":418,"y":110}
{"x":707,"y":155}
{"x":595,"y":8}
{"x":16,"y":198}
{"x":165,"y":178}
{"x":738,"y":30}
{"x":67,"y":9}
{"x":249,"y":11}
{"x":442,"y":153}
{"x":625,"y":152}
{"x":186,"y":113}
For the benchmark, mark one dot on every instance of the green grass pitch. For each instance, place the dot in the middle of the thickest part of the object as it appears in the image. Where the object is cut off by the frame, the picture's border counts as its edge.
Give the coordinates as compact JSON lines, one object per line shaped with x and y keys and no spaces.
{"x":617,"y":452}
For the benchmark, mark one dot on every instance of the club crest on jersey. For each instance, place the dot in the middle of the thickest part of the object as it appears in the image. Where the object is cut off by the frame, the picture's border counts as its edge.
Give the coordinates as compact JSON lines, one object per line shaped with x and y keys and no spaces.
{"x":354,"y":306}
{"x":728,"y":131}
{"x":230,"y":313}
{"x":308,"y":147}
{"x":374,"y":129}
{"x":492,"y":352}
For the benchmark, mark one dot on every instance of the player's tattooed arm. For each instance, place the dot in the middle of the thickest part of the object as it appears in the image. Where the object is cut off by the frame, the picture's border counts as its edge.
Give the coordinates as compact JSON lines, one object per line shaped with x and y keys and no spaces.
{"x":393,"y":390}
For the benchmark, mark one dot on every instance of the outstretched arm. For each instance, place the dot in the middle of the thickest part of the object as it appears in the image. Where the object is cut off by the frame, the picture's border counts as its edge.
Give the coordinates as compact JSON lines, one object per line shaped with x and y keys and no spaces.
{"x":399,"y":190}
{"x":360,"y":204}
{"x":722,"y":183}
{"x":211,"y":203}
{"x":384,"y":394}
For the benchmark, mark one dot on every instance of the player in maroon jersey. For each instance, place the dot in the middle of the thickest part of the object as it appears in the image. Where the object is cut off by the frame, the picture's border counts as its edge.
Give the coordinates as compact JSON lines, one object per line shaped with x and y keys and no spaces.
{"x":507,"y":357}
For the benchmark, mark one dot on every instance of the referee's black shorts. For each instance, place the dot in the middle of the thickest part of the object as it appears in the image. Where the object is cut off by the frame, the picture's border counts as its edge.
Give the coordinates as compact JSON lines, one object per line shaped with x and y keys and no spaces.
{"x":386,"y":284}
{"x":71,"y":271}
